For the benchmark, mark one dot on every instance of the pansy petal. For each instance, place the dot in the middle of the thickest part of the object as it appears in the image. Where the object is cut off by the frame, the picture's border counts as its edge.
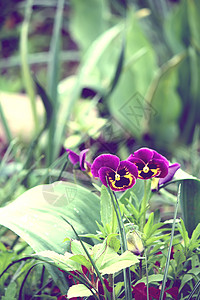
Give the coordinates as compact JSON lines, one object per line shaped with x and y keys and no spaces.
{"x":144,"y":154}
{"x":73,"y":157}
{"x":134,"y":159}
{"x":171,"y":171}
{"x":162,"y":166}
{"x":130,"y":167}
{"x":104,"y":160}
{"x":156,"y":155}
{"x":108,"y":173}
{"x":82,"y":159}
{"x":117,"y":181}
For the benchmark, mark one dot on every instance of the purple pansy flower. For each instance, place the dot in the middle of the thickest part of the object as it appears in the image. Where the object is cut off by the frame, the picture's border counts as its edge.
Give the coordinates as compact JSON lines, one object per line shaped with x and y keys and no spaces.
{"x":149,"y":163}
{"x":119,"y":175}
{"x":75,"y":158}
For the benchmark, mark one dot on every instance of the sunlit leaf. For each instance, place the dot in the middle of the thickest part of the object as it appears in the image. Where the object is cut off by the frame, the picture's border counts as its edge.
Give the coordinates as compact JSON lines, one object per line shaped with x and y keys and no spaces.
{"x":78,"y":290}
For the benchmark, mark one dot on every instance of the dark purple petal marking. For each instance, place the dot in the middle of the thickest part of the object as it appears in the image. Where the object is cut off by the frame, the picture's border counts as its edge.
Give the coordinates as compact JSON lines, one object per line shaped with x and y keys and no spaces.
{"x":104,"y":160}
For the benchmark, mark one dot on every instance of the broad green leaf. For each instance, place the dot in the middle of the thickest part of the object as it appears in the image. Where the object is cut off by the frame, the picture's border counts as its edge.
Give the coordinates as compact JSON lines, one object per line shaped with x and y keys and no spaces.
{"x":118,"y":262}
{"x":190,"y":203}
{"x":176,"y":28}
{"x":87,"y":21}
{"x":80,"y":259}
{"x":63,"y":262}
{"x":166,"y":101}
{"x":36,"y":214}
{"x":36,"y":217}
{"x":78,"y":290}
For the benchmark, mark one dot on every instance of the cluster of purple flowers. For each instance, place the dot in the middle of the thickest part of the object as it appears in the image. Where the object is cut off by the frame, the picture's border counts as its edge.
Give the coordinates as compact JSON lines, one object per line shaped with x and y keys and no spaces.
{"x":119,"y":175}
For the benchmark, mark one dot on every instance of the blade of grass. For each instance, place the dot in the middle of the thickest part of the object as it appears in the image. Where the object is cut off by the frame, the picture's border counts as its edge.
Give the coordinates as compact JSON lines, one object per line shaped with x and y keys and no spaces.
{"x":49,"y":111}
{"x":53,"y":77}
{"x":5,"y":125}
{"x":170,"y":247}
{"x":28,"y":82}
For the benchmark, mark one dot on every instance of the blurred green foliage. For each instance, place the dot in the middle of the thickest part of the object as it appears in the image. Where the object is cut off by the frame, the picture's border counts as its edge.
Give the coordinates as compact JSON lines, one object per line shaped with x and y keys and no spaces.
{"x":155,"y":97}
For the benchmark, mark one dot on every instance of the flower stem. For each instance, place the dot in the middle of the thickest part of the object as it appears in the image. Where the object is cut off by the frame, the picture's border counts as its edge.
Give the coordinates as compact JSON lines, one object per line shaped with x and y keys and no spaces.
{"x":123,"y":242}
{"x":145,"y":200}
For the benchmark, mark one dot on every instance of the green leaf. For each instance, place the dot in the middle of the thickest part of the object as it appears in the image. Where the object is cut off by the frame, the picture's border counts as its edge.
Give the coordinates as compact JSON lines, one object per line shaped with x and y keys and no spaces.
{"x":190,"y":204}
{"x":193,"y":18}
{"x":61,"y":261}
{"x":184,"y":233}
{"x":186,"y":277}
{"x":87,"y":21}
{"x":80,"y":259}
{"x":10,"y":292}
{"x":78,"y":290}
{"x":36,"y":214}
{"x":164,"y":98}
{"x":148,"y":226}
{"x":108,"y":217}
{"x":113,"y":242}
{"x":106,"y":206}
{"x":36,"y":217}
{"x":115,"y":263}
{"x":6,"y":257}
{"x":76,"y":247}
{"x":195,"y":235}
{"x":136,"y":193}
{"x":179,"y":257}
{"x":151,"y":278}
{"x":151,"y":240}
